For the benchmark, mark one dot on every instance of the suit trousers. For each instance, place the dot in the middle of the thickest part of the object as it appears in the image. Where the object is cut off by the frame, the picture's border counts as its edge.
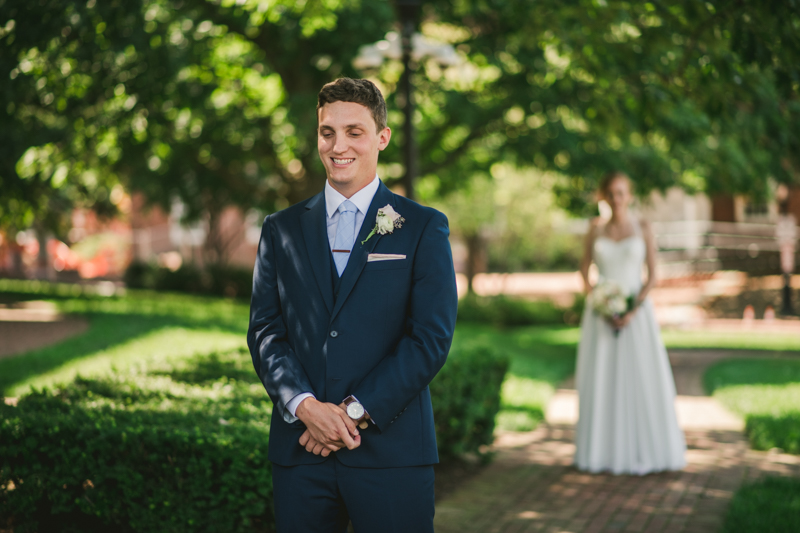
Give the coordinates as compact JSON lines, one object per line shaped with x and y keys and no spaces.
{"x":324,"y":497}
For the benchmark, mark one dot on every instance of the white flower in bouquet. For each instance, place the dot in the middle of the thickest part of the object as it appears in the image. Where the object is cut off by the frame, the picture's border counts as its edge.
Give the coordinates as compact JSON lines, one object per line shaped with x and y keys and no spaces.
{"x":609,"y":299}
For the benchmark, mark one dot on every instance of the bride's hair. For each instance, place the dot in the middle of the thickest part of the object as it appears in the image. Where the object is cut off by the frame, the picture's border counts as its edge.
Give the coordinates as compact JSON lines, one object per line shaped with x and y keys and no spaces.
{"x":605,"y":183}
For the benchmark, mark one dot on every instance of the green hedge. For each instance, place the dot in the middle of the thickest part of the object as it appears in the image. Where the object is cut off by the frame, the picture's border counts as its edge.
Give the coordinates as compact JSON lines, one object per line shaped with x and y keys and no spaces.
{"x":766,"y":432}
{"x":225,"y":281}
{"x":466,"y":399}
{"x":167,"y":450}
{"x":771,"y":504}
{"x":182,"y":448}
{"x":502,"y":311}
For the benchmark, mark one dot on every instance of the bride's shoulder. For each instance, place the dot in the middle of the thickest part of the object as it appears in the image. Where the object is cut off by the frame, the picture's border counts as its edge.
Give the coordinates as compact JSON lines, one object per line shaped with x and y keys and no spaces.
{"x":595,"y":226}
{"x":646,"y":227}
{"x":597,"y":222}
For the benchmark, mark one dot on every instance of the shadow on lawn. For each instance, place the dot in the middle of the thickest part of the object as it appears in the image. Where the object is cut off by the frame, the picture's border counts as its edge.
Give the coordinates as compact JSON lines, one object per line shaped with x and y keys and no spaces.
{"x":115,"y":321}
{"x":105,"y":332}
{"x":765,"y":392}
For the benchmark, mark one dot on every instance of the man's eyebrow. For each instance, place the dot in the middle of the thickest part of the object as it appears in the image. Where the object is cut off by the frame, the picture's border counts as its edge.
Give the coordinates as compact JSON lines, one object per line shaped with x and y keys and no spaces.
{"x":348,"y":127}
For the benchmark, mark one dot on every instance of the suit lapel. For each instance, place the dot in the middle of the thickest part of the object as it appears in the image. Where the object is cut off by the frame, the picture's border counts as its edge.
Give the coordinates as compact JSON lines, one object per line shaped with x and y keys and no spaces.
{"x":315,"y":234}
{"x":360,"y":253}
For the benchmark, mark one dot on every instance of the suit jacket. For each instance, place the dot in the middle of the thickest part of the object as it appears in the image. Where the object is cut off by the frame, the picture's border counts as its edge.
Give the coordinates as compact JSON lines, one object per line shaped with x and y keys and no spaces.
{"x":382,"y":338}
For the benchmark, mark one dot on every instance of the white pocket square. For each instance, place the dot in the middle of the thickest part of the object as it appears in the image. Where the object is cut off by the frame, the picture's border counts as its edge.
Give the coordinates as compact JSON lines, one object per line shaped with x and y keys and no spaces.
{"x":384,"y":257}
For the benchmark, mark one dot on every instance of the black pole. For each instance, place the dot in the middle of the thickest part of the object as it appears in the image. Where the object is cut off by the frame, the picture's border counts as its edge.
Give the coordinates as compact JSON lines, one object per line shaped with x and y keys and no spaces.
{"x":787,"y":309}
{"x":408,"y":13}
{"x":410,"y":148}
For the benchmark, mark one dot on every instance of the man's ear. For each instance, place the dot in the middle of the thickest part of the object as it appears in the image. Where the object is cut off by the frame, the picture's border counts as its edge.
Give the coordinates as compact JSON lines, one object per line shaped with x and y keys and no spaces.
{"x":383,"y":138}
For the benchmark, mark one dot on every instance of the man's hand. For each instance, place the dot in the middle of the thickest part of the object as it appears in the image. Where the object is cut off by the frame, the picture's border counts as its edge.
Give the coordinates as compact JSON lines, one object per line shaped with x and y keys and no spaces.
{"x":328,"y":428}
{"x":311,"y":445}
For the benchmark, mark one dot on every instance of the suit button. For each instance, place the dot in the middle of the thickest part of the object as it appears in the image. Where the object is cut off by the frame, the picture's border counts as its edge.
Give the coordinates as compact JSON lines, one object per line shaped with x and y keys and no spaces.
{"x":334,"y":334}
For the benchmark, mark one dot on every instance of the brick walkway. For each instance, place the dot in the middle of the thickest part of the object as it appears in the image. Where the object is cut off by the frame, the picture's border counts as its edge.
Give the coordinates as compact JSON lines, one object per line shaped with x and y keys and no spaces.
{"x":532,"y":487}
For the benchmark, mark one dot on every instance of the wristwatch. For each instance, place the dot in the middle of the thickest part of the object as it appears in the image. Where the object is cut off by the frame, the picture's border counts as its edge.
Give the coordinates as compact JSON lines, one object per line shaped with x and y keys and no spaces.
{"x":354,"y":408}
{"x":355,"y":411}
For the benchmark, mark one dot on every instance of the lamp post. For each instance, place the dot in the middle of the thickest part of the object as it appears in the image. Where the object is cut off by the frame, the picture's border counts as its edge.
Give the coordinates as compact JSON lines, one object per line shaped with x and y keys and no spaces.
{"x":409,"y":47}
{"x":408,"y":10}
{"x":786,"y":235}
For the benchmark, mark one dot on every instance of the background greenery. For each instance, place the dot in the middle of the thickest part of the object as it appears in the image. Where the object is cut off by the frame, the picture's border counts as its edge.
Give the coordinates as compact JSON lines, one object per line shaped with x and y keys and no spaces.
{"x":772,"y":504}
{"x":212,"y":102}
{"x":154,"y":417}
{"x":766,"y":393}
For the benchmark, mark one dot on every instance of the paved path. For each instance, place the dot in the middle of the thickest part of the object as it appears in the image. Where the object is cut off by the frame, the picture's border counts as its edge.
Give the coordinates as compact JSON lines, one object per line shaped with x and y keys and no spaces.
{"x":25,"y":326}
{"x":532,"y":487}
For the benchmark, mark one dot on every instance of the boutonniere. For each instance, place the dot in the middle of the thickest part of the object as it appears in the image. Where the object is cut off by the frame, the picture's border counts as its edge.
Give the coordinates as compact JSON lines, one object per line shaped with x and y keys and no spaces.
{"x":387,"y":220}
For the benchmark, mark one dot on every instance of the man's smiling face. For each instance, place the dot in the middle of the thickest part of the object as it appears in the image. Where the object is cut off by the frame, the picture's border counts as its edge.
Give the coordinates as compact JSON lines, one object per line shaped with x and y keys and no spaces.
{"x":349,"y":144}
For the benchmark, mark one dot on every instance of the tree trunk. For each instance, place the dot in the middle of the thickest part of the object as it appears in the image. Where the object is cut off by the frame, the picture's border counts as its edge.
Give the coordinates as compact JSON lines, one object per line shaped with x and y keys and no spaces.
{"x":220,"y":242}
{"x":476,"y":258}
{"x":43,"y":270}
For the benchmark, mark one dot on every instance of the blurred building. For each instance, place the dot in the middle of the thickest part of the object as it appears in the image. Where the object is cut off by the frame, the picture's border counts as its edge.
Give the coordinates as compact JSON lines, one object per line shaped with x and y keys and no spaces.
{"x":697,"y":233}
{"x":162,"y":237}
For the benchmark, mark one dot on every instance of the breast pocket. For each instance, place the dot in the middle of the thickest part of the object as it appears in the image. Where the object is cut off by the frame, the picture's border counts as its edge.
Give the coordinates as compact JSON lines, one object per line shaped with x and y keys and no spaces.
{"x":393,"y":264}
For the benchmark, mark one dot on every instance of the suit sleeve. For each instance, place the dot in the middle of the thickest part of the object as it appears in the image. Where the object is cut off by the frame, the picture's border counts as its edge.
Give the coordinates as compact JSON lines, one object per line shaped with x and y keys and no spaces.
{"x":273,"y":358}
{"x":422,"y":351}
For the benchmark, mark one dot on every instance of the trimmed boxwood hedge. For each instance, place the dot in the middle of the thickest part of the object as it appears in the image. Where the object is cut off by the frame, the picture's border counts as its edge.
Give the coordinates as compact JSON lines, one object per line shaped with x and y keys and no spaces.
{"x":466,"y":399}
{"x":166,"y":450}
{"x":182,"y":448}
{"x":504,"y":311}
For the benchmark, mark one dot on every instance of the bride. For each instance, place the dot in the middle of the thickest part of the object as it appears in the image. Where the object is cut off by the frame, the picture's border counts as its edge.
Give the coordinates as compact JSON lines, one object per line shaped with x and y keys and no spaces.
{"x":627,"y":422}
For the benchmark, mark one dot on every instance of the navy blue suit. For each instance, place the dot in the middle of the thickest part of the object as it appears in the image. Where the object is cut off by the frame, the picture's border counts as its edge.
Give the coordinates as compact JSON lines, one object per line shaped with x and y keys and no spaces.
{"x":382,"y":337}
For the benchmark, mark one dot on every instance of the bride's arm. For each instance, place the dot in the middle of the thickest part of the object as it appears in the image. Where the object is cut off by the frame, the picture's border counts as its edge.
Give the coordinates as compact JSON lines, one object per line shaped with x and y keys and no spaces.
{"x":588,"y":254}
{"x":650,"y":261}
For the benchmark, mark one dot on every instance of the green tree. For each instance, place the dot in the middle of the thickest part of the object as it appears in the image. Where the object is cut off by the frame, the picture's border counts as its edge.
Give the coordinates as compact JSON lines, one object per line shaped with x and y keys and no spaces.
{"x":212,"y":101}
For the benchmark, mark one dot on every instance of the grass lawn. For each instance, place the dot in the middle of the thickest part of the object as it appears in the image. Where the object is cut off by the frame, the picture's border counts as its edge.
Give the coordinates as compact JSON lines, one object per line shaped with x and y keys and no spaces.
{"x":541,"y":357}
{"x":772,"y":504}
{"x":138,"y":328}
{"x":142,"y":327}
{"x":766,"y":393}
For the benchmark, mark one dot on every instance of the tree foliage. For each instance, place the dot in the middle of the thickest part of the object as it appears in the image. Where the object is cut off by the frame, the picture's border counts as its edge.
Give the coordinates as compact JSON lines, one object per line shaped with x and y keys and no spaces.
{"x":211,"y":102}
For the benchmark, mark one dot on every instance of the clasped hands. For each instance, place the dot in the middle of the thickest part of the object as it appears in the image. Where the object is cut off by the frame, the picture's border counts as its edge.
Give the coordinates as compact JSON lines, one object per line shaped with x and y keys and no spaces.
{"x":328,"y":427}
{"x":619,"y":322}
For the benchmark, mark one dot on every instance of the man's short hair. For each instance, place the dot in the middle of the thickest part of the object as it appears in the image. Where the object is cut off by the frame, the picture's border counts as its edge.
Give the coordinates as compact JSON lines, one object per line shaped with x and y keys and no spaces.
{"x":358,"y":91}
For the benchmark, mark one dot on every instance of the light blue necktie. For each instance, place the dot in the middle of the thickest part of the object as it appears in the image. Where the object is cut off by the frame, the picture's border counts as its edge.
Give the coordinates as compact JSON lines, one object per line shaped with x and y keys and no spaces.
{"x":345,"y":235}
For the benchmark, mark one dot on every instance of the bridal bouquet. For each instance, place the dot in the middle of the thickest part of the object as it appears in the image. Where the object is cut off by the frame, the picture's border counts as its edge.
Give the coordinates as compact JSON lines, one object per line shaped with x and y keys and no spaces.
{"x":611,"y":301}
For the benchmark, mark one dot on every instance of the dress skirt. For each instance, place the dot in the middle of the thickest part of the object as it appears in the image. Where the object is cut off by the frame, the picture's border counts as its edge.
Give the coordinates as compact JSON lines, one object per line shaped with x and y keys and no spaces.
{"x":627,"y":422}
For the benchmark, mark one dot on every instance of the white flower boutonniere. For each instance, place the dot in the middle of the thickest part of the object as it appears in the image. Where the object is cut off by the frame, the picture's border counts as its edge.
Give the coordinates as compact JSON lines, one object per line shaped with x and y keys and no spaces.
{"x":387,"y":220}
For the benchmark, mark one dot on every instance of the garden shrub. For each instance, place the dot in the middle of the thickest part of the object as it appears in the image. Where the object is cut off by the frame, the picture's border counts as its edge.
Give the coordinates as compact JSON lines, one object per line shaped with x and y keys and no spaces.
{"x":216,"y":280}
{"x":770,"y":504}
{"x":140,"y":452}
{"x":182,"y":446}
{"x":502,"y":311}
{"x":766,"y":432}
{"x":466,"y":399}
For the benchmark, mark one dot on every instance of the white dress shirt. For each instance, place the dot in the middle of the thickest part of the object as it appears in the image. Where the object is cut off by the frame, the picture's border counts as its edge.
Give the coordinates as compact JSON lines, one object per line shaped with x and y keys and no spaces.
{"x":333,"y":199}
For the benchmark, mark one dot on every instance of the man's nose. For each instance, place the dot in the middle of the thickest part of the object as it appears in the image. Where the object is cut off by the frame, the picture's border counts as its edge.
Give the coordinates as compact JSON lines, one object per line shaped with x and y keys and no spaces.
{"x":340,"y":144}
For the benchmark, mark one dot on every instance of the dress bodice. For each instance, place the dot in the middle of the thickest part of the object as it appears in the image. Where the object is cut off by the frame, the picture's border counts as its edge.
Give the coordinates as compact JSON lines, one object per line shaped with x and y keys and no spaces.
{"x":621,"y":260}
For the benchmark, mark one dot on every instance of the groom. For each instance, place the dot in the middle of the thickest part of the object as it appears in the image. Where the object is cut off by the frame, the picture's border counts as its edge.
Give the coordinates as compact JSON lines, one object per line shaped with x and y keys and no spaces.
{"x":352,"y":315}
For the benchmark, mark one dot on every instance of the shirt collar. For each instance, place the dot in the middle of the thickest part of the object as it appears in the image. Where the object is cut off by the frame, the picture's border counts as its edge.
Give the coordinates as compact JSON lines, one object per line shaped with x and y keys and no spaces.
{"x":361,"y":199}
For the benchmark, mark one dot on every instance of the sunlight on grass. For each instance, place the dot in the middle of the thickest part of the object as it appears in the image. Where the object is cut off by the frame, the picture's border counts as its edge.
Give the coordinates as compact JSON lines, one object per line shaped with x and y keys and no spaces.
{"x":541,"y":358}
{"x":766,"y":392}
{"x":738,"y":340}
{"x":167,"y":343}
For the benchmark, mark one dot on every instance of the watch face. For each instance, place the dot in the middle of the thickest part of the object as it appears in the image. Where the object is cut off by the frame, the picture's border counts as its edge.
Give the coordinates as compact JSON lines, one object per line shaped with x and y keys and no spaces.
{"x":355,"y":410}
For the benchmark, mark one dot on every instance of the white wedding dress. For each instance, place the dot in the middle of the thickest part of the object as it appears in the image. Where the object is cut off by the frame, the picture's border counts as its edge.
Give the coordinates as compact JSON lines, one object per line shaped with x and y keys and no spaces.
{"x":627,"y":422}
